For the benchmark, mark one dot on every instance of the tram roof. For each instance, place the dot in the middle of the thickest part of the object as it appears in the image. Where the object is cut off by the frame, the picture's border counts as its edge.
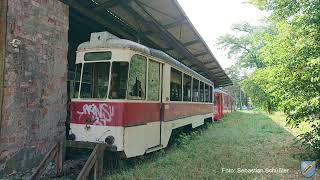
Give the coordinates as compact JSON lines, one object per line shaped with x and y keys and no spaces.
{"x":219,"y":91}
{"x":160,"y":24}
{"x":109,"y":41}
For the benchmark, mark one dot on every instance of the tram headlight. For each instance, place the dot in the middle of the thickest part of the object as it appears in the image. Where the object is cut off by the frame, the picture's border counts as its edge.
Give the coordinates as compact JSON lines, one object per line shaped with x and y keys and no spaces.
{"x":109,"y":140}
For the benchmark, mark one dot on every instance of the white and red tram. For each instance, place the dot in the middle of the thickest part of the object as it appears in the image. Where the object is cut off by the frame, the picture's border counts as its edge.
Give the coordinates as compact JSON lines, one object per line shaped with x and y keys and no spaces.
{"x":131,"y":97}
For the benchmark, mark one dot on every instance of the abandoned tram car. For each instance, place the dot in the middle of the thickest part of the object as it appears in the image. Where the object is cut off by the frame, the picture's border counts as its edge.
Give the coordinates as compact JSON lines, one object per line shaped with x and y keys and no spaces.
{"x":131,"y":97}
{"x":222,"y":104}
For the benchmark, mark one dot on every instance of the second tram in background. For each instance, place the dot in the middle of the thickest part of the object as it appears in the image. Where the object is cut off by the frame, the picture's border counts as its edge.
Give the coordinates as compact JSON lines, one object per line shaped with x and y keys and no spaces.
{"x":222,"y":104}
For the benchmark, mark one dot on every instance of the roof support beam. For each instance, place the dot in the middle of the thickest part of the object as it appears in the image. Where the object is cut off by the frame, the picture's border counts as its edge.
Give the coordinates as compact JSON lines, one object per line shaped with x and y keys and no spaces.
{"x":111,"y":24}
{"x":214,"y":68}
{"x":210,"y":62}
{"x":156,"y":10}
{"x":153,"y":24}
{"x":223,"y":80}
{"x":96,"y":17}
{"x":222,"y":74}
{"x":201,"y":54}
{"x":192,"y":42}
{"x":223,"y":83}
{"x":185,"y":44}
{"x":106,"y":5}
{"x":176,"y":23}
{"x":148,"y":33}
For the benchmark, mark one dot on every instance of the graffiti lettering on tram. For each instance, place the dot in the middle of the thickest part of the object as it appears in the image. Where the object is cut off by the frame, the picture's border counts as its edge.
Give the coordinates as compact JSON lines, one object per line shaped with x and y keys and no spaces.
{"x":101,"y":114}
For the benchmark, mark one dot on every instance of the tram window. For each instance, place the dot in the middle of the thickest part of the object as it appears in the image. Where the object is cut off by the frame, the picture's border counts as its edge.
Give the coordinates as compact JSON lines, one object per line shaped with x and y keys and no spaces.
{"x":153,"y":80}
{"x":175,"y":85}
{"x":95,"y":79}
{"x":75,"y":81}
{"x":210,"y":94}
{"x":195,"y":95}
{"x":97,"y":56}
{"x":216,"y":100}
{"x":206,"y":92}
{"x":201,"y":92}
{"x":119,"y":76}
{"x":224,"y":101}
{"x":186,"y":87}
{"x":137,"y":78}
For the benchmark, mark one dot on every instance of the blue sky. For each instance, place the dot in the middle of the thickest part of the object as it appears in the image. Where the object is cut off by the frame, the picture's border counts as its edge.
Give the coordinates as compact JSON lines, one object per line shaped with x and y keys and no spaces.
{"x":213,"y":18}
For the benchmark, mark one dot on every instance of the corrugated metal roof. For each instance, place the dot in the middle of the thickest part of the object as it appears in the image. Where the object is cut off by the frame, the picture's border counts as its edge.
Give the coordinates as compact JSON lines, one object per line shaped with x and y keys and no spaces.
{"x":160,"y":24}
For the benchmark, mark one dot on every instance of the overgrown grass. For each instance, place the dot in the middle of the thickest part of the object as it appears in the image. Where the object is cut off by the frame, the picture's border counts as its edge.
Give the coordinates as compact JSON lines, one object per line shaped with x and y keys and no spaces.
{"x":241,"y":140}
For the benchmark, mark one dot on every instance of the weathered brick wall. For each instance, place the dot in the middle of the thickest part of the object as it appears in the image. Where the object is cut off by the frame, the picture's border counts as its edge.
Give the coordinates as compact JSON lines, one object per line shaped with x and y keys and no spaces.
{"x":35,"y":89}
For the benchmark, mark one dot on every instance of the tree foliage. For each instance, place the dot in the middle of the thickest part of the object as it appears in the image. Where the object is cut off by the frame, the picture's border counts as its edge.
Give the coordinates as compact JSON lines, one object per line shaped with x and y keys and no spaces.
{"x":285,"y":53}
{"x":235,"y":90}
{"x":243,"y":47}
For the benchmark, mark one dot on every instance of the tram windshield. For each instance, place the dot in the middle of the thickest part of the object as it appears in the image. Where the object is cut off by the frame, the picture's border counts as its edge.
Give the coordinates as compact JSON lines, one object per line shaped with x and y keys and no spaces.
{"x":95,"y":80}
{"x":96,"y":77}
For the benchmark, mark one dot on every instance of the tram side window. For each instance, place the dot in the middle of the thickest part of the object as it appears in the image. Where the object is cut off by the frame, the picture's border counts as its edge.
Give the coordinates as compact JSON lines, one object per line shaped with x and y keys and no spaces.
{"x":137,"y":78}
{"x":195,"y":95}
{"x":119,"y":76}
{"x":215,"y":100}
{"x":95,"y":80}
{"x":175,"y":85}
{"x":206,"y":92}
{"x":201,"y":92}
{"x":186,"y":87}
{"x":223,"y":101}
{"x":210,"y":94}
{"x":153,"y":80}
{"x":75,"y":81}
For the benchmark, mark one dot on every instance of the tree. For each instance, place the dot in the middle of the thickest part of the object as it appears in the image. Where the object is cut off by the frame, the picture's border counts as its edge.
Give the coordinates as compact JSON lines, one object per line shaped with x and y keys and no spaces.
{"x":285,"y":54}
{"x":244,"y":44}
{"x":235,"y":90}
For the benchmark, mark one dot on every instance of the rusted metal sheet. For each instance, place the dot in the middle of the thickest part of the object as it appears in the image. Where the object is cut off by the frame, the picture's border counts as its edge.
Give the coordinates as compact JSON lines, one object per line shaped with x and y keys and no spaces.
{"x":3,"y":29}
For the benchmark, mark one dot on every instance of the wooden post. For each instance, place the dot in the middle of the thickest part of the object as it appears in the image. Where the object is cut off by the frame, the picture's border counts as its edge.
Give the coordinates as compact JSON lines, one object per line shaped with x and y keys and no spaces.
{"x":95,"y":160}
{"x":3,"y":33}
{"x":59,"y":159}
{"x":56,"y":154}
{"x":99,"y":163}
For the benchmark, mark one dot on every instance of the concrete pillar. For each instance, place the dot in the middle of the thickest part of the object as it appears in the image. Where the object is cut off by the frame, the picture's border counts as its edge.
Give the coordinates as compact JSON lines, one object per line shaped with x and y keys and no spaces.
{"x":35,"y":82}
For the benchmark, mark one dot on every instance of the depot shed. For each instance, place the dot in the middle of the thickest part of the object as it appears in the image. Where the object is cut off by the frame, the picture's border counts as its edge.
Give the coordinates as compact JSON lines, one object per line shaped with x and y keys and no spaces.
{"x":38,"y":42}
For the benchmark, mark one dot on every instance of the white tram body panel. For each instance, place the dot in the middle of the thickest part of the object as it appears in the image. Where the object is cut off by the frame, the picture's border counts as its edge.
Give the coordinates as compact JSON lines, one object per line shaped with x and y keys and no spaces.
{"x":132,"y":97}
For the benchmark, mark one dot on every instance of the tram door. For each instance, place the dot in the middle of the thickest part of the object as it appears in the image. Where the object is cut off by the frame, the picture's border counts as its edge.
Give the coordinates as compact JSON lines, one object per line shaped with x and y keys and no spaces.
{"x":162,"y":109}
{"x":153,"y":131}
